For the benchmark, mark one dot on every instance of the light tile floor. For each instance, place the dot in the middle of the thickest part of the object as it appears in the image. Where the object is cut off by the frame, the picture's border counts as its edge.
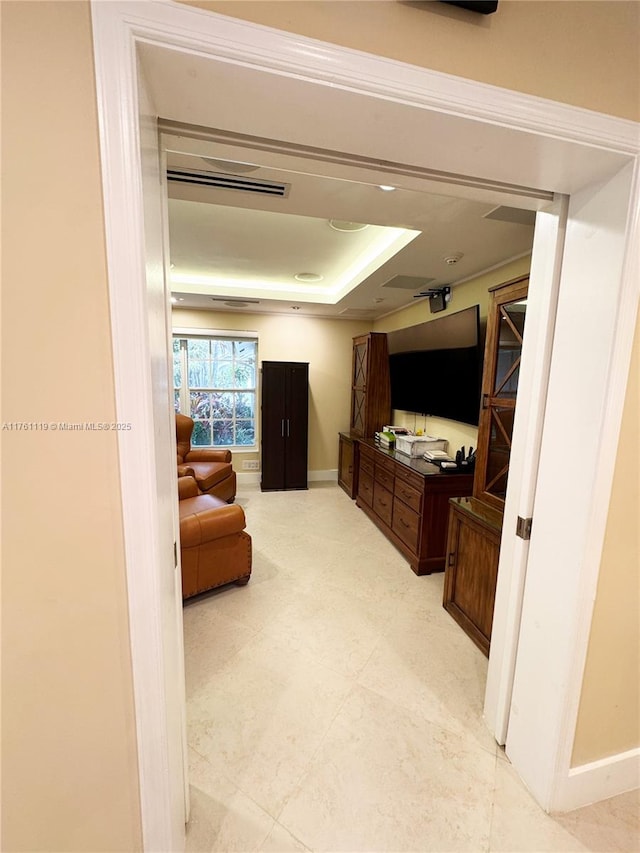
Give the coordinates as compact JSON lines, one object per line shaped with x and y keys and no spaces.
{"x":333,"y":705}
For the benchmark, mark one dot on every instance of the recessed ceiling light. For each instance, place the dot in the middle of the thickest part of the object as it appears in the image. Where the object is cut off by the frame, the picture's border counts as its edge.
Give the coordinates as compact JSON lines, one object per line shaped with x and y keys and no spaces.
{"x":308,"y":276}
{"x":386,"y":188}
{"x":343,"y":225}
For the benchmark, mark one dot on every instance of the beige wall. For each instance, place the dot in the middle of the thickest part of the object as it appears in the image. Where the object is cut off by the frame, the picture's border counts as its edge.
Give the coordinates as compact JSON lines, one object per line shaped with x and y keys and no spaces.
{"x":582,"y":52}
{"x":327,"y":346}
{"x":69,"y":769}
{"x":609,"y":716}
{"x":69,"y":754}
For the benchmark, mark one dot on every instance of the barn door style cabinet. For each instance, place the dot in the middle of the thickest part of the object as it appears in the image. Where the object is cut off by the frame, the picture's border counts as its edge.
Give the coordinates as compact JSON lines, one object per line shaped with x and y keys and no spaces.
{"x":284,"y":420}
{"x":503,"y":351}
{"x":370,"y":404}
{"x":370,"y":386}
{"x":475,"y":523}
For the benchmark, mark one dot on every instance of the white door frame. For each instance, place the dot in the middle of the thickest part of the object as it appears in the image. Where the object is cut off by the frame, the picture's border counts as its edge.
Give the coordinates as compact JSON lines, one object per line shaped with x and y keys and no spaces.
{"x":525,"y":141}
{"x":544,"y":285}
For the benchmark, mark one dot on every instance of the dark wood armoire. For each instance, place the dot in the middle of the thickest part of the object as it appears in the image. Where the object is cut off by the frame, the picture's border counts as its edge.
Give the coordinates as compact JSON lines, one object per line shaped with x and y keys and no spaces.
{"x":285,"y":421}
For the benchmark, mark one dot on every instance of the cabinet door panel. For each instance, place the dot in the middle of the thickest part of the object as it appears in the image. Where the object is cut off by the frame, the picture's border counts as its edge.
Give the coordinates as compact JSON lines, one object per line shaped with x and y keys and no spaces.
{"x":273,"y":426}
{"x":476,"y":575}
{"x":346,"y":465}
{"x":505,"y":329}
{"x":471,"y":572}
{"x":296,"y":415}
{"x":370,"y":388}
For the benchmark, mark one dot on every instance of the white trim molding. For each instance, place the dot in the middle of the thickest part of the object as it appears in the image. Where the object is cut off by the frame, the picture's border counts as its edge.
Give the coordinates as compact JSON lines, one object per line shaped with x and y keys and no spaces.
{"x":329,"y":476}
{"x":245,"y":478}
{"x":599,"y":780}
{"x":200,"y":32}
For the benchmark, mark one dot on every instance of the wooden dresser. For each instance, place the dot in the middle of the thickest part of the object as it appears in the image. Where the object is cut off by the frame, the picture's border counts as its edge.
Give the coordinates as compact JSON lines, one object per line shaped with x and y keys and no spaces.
{"x":408,"y":499}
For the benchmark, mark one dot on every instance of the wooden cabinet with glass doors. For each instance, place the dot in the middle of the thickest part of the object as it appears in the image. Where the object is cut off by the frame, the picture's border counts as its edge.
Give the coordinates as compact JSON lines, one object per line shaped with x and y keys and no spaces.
{"x":503,"y":351}
{"x":370,"y":388}
{"x":475,"y":525}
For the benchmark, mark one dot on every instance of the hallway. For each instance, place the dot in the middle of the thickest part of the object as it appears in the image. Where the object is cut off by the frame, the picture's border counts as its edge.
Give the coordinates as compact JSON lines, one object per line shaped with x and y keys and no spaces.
{"x":333,"y":705}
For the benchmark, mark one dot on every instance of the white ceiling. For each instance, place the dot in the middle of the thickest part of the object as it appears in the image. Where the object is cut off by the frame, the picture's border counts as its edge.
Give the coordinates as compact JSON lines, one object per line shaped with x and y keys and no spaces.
{"x":228,"y":244}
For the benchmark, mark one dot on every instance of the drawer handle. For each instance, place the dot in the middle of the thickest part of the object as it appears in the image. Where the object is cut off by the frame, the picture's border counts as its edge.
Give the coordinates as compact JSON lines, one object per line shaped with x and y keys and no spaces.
{"x":402,"y":521}
{"x":452,"y":559}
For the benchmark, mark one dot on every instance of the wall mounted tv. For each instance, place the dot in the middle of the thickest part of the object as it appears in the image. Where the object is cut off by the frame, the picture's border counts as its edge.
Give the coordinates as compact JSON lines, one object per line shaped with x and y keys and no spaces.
{"x":436,"y":367}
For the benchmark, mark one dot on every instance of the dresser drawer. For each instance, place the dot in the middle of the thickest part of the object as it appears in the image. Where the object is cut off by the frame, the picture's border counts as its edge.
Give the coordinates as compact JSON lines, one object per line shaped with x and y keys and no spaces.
{"x":383,"y":503}
{"x":384,"y":461}
{"x":411,"y":478}
{"x":384,"y":476}
{"x":365,"y":486}
{"x":408,"y":495}
{"x":406,"y":524}
{"x":366,"y":464}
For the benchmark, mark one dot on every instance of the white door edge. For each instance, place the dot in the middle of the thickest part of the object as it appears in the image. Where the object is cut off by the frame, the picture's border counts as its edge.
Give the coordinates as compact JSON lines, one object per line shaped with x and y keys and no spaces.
{"x":544,"y":283}
{"x":585,"y":400}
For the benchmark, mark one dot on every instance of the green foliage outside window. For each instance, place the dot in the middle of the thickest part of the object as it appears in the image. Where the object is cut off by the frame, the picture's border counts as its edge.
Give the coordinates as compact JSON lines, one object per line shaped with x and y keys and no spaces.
{"x":220,"y":390}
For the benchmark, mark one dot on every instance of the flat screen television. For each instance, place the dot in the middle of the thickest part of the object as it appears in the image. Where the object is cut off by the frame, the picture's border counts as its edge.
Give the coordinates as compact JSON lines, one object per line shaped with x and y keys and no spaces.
{"x":436,"y":367}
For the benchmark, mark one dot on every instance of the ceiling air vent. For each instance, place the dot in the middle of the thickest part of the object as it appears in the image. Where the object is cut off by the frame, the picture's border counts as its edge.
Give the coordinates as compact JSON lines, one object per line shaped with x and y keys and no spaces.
{"x":356,"y":313}
{"x":408,"y":282}
{"x":512,"y":214}
{"x":230,"y":300}
{"x":228,"y":182}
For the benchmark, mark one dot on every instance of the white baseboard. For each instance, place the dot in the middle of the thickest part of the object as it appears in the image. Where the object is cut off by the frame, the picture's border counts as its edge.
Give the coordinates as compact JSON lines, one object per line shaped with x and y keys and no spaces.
{"x":318,"y":476}
{"x":245,"y":478}
{"x":599,"y":780}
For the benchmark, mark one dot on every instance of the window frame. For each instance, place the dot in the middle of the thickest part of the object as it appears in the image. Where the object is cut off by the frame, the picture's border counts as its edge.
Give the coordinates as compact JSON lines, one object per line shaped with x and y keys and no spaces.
{"x":185,"y":402}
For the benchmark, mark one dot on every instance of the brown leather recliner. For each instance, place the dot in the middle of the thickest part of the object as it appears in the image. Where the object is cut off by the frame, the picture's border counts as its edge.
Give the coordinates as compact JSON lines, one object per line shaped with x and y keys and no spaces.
{"x":215,"y":549}
{"x":211,"y":469}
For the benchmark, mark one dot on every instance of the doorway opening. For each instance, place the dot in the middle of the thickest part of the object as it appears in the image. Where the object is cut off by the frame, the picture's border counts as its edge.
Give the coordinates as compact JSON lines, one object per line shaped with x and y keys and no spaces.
{"x":186,"y":146}
{"x":589,"y":158}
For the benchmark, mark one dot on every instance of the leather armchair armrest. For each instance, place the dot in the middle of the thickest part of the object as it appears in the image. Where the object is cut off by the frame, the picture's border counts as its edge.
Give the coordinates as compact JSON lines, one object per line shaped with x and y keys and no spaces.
{"x":211,"y":523}
{"x":186,"y":471}
{"x":208,"y":456}
{"x":187,"y":488}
